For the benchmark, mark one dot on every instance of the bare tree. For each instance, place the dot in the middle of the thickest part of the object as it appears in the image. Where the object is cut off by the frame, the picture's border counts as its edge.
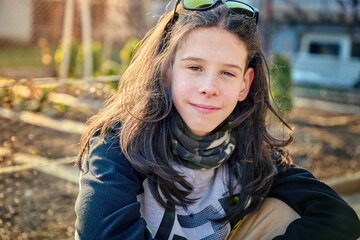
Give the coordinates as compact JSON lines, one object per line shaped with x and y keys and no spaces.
{"x":349,"y":13}
{"x":349,"y":20}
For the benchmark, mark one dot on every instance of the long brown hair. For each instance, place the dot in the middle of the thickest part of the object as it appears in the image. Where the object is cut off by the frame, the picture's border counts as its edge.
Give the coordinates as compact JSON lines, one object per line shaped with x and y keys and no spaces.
{"x":143,"y":107}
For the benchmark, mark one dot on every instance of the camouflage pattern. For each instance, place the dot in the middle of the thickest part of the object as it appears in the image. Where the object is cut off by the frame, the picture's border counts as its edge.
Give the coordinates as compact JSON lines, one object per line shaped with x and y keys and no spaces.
{"x":201,"y":153}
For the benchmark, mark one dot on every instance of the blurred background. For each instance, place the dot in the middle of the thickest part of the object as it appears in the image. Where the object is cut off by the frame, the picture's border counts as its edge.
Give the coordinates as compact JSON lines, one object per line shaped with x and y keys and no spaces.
{"x":60,"y":59}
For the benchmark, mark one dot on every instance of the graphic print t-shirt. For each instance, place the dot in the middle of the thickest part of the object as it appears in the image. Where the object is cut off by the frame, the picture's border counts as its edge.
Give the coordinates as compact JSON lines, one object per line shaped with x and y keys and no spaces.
{"x":197,"y":222}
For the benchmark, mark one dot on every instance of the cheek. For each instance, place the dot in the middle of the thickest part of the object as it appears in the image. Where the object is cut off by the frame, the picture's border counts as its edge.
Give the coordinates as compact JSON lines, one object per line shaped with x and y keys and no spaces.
{"x":180,"y":84}
{"x":233,"y":95}
{"x":232,"y":102}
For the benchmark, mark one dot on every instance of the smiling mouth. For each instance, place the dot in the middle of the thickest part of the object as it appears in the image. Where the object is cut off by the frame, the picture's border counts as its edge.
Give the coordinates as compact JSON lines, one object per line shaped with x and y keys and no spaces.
{"x":204,"y":108}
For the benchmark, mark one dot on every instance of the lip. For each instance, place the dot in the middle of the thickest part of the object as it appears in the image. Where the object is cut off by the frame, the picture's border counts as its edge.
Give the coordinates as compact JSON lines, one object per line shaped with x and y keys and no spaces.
{"x":204,"y":108}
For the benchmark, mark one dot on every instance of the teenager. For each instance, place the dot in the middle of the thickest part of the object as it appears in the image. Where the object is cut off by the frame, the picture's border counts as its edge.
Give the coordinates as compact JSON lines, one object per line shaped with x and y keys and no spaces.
{"x":183,"y":150}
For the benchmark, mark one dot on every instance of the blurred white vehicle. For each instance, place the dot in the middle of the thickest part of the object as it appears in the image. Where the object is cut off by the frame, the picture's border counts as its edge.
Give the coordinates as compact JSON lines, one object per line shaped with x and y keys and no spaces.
{"x":328,"y":60}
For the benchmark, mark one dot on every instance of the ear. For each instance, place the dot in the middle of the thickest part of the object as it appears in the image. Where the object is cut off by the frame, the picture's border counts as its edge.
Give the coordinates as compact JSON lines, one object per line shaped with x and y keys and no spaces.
{"x":167,"y":81}
{"x":248,"y":79}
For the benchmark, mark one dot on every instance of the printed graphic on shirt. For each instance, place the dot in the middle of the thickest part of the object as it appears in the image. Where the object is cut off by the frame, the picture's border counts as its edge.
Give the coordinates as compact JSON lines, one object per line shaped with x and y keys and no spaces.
{"x":199,"y":220}
{"x":201,"y":225}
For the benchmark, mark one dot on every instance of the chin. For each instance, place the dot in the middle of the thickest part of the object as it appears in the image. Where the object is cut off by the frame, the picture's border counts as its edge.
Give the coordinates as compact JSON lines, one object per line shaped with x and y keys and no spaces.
{"x":201,"y":131}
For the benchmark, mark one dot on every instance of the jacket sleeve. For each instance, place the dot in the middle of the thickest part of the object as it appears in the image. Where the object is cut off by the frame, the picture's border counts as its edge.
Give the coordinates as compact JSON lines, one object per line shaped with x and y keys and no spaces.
{"x":107,"y":206}
{"x":324,"y":215}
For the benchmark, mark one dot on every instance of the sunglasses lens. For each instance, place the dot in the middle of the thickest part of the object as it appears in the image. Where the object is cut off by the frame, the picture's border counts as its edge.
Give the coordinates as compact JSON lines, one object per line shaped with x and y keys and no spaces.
{"x":197,"y":4}
{"x":235,"y":6}
{"x":241,"y":9}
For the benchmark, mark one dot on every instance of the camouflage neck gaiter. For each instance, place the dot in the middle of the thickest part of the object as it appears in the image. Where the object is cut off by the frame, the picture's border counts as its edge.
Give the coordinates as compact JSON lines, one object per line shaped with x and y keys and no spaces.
{"x":203,"y":153}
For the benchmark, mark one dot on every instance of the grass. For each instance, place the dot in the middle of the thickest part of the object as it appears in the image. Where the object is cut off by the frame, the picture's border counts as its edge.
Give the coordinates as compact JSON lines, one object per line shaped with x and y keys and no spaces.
{"x":24,"y":56}
{"x":31,"y":56}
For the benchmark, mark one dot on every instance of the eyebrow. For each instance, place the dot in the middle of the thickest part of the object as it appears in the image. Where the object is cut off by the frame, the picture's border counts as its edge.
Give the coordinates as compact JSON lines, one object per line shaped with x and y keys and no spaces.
{"x":202,"y":60}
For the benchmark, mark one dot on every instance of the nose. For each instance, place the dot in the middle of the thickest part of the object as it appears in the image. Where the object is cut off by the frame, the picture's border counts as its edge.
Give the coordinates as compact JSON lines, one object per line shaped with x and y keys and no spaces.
{"x":209,"y":86}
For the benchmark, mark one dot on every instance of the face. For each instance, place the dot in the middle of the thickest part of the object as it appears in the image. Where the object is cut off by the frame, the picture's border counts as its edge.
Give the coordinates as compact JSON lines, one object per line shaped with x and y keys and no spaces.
{"x":208,"y":78}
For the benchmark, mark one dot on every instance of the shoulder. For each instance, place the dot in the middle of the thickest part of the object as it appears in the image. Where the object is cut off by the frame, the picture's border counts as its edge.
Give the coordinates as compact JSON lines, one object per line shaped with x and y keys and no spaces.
{"x":107,"y":206}
{"x":104,"y":156}
{"x":105,"y":145}
{"x":109,"y":138}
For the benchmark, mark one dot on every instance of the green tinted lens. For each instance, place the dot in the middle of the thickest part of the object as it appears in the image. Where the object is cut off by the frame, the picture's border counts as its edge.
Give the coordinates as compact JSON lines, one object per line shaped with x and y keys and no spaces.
{"x":237,"y":7}
{"x":199,"y":4}
{"x":241,"y":9}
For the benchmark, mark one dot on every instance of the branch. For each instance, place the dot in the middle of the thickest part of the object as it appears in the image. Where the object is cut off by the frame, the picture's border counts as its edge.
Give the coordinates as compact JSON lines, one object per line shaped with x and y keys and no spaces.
{"x":350,"y":25}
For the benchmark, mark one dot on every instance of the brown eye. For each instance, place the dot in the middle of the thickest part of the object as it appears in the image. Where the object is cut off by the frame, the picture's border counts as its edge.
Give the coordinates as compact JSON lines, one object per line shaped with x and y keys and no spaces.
{"x":194,"y":68}
{"x":229,"y":74}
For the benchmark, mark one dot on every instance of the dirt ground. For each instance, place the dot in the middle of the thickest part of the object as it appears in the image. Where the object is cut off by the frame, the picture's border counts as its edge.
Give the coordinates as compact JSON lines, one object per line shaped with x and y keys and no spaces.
{"x":326,"y":143}
{"x":34,"y":205}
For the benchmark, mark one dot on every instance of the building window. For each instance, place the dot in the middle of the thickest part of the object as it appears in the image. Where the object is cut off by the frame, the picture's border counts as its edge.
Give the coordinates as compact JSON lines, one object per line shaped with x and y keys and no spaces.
{"x":325,"y":48}
{"x":355,"y":49}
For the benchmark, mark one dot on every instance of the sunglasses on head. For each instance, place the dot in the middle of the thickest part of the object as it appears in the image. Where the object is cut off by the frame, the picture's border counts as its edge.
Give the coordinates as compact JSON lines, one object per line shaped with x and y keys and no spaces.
{"x":237,"y":7}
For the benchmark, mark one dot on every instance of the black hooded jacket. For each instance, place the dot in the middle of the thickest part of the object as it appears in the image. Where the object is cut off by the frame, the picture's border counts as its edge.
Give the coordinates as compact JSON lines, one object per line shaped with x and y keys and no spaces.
{"x":107,"y":206}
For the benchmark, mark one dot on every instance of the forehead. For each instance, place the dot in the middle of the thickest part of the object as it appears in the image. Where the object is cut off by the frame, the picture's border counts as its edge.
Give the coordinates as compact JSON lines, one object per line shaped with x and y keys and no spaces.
{"x":213,"y":43}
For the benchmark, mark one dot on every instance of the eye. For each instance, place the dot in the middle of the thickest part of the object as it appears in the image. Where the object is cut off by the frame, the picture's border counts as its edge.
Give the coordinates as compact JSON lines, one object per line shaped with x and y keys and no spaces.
{"x":229,"y":74}
{"x":194,"y":68}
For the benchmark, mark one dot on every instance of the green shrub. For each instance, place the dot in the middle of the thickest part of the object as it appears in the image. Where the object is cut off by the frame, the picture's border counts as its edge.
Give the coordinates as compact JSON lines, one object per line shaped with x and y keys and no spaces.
{"x":127,"y":52}
{"x":281,"y":85}
{"x":77,"y":58}
{"x":96,"y":49}
{"x":43,"y":101}
{"x":74,"y":50}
